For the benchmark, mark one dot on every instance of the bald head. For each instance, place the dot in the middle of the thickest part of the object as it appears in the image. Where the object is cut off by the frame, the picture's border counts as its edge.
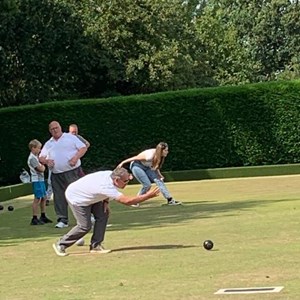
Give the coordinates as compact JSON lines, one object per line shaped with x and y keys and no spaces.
{"x":73,"y":128}
{"x":55,"y":130}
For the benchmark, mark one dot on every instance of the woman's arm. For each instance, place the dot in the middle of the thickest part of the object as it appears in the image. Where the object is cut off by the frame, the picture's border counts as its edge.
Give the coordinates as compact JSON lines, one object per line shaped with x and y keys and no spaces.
{"x":140,"y":156}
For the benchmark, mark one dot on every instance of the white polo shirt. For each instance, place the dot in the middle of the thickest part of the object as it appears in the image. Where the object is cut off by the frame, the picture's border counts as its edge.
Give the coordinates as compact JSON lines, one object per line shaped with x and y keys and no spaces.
{"x":92,"y":188}
{"x":61,"y":151}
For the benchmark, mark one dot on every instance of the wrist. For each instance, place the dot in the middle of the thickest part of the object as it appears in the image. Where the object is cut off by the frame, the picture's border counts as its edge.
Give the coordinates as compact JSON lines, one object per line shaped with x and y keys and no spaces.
{"x":142,"y":197}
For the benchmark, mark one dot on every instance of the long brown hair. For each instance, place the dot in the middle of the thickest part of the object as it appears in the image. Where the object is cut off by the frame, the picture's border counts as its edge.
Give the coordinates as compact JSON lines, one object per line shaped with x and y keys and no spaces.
{"x":158,"y":159}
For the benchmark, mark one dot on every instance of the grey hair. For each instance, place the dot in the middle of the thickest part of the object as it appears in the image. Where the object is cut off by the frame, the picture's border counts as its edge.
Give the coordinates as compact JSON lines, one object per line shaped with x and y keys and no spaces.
{"x":118,"y":173}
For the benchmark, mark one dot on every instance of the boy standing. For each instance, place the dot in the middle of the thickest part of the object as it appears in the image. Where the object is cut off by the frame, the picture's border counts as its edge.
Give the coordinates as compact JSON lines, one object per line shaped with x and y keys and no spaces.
{"x":38,"y":183}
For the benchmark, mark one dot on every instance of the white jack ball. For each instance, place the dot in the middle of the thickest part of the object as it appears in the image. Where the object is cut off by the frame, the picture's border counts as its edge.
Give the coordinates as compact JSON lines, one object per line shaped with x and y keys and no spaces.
{"x":80,"y":242}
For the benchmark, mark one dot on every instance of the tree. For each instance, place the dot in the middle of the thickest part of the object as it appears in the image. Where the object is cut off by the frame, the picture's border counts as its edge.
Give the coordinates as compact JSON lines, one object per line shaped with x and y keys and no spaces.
{"x":8,"y":59}
{"x":46,"y":54}
{"x":250,"y":41}
{"x":153,"y":44}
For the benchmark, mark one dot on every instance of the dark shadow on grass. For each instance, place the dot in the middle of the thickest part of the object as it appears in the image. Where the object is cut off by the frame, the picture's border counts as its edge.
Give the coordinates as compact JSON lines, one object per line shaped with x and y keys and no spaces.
{"x":15,"y":228}
{"x":153,"y":247}
{"x":137,"y":248}
{"x":160,"y":216}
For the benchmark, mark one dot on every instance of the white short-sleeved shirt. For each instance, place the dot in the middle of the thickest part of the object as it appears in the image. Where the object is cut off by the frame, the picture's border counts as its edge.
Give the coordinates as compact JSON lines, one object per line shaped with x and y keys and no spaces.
{"x":61,"y":151}
{"x":92,"y":188}
{"x":149,"y":154}
{"x":33,"y":162}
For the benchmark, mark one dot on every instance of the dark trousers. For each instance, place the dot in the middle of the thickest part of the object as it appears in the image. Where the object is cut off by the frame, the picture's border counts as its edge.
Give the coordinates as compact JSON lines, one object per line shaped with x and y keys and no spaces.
{"x":60,"y":182}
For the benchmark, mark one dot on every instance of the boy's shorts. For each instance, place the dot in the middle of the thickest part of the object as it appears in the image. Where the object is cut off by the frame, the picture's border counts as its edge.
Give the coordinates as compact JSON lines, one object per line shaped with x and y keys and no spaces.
{"x":39,"y":189}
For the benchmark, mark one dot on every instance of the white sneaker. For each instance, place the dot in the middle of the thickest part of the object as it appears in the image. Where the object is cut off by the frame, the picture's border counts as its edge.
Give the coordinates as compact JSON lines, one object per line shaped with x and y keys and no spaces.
{"x":135,"y":205}
{"x":61,"y":224}
{"x":99,"y":249}
{"x":59,"y":250}
{"x":174,"y":202}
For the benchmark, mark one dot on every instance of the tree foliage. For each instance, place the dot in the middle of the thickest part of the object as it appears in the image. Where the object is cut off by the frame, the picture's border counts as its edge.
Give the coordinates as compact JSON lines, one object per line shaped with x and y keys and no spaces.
{"x":153,"y":42}
{"x":46,"y":55}
{"x":250,"y":41}
{"x":62,"y":49}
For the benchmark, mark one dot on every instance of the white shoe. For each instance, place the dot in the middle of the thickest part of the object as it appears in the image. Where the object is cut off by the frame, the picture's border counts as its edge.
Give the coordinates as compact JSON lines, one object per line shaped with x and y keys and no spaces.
{"x":135,"y":205}
{"x":174,"y":202}
{"x":59,"y":250}
{"x":61,"y":224}
{"x":99,"y":249}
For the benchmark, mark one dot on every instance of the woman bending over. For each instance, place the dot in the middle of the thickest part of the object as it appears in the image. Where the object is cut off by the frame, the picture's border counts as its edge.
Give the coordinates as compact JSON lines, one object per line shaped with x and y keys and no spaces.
{"x":146,"y":169}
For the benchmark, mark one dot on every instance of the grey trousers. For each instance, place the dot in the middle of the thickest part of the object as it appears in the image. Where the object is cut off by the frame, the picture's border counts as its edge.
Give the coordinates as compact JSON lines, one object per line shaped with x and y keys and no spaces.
{"x":82,"y":215}
{"x":60,"y":182}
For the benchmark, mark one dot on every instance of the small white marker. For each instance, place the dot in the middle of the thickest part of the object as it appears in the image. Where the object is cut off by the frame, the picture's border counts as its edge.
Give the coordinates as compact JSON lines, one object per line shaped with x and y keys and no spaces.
{"x":250,"y":290}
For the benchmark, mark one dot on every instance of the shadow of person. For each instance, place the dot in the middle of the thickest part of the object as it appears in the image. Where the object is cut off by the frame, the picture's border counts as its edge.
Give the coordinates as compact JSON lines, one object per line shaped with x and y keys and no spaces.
{"x":153,"y":247}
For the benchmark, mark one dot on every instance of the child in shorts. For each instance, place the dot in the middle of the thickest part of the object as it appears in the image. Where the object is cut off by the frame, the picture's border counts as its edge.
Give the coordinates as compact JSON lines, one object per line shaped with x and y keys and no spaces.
{"x":38,"y":184}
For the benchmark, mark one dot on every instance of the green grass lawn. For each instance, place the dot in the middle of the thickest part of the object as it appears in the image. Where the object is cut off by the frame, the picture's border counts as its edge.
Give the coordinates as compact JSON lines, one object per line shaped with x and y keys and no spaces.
{"x":157,"y":249}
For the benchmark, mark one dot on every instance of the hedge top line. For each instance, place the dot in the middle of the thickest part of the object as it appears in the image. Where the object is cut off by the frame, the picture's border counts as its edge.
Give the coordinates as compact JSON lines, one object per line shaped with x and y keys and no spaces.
{"x":207,"y":93}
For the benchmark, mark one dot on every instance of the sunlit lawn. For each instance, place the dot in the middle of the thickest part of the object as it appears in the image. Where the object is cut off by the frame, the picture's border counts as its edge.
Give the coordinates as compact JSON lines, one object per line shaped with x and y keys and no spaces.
{"x":157,"y":249}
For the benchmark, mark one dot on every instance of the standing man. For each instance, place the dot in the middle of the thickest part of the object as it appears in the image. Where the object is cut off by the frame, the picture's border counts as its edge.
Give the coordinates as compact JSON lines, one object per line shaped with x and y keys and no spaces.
{"x":62,"y":153}
{"x":91,"y":194}
{"x":73,"y":129}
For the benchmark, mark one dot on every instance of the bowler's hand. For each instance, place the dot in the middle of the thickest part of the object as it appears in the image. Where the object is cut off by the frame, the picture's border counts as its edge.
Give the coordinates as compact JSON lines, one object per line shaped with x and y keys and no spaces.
{"x":73,"y":161}
{"x":106,"y":208}
{"x":152,"y":193}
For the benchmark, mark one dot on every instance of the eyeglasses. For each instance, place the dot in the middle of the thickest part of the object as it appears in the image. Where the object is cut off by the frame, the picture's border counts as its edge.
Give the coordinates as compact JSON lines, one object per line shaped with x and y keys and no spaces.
{"x":127,"y":180}
{"x":124,"y":181}
{"x":54,"y":128}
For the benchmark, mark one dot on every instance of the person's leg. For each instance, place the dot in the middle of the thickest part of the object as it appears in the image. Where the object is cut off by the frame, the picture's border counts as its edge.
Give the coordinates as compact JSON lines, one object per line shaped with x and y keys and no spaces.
{"x":141,"y":176}
{"x":139,"y":173}
{"x":41,"y":192}
{"x":49,"y":191}
{"x":59,"y":184}
{"x":60,"y":204}
{"x":163,"y":189}
{"x":101,"y":219}
{"x":35,"y":207}
{"x":43,"y":217}
{"x":153,"y":176}
{"x":82,"y":215}
{"x":35,"y":211}
{"x":37,"y":191}
{"x":43,"y":206}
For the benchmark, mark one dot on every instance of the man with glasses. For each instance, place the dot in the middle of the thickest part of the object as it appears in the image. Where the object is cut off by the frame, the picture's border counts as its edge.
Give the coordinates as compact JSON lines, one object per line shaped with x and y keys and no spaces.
{"x":91,"y":195}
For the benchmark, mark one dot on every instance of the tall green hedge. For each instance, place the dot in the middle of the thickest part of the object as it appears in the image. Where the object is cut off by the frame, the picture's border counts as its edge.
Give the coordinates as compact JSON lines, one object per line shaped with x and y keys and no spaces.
{"x":206,"y":128}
